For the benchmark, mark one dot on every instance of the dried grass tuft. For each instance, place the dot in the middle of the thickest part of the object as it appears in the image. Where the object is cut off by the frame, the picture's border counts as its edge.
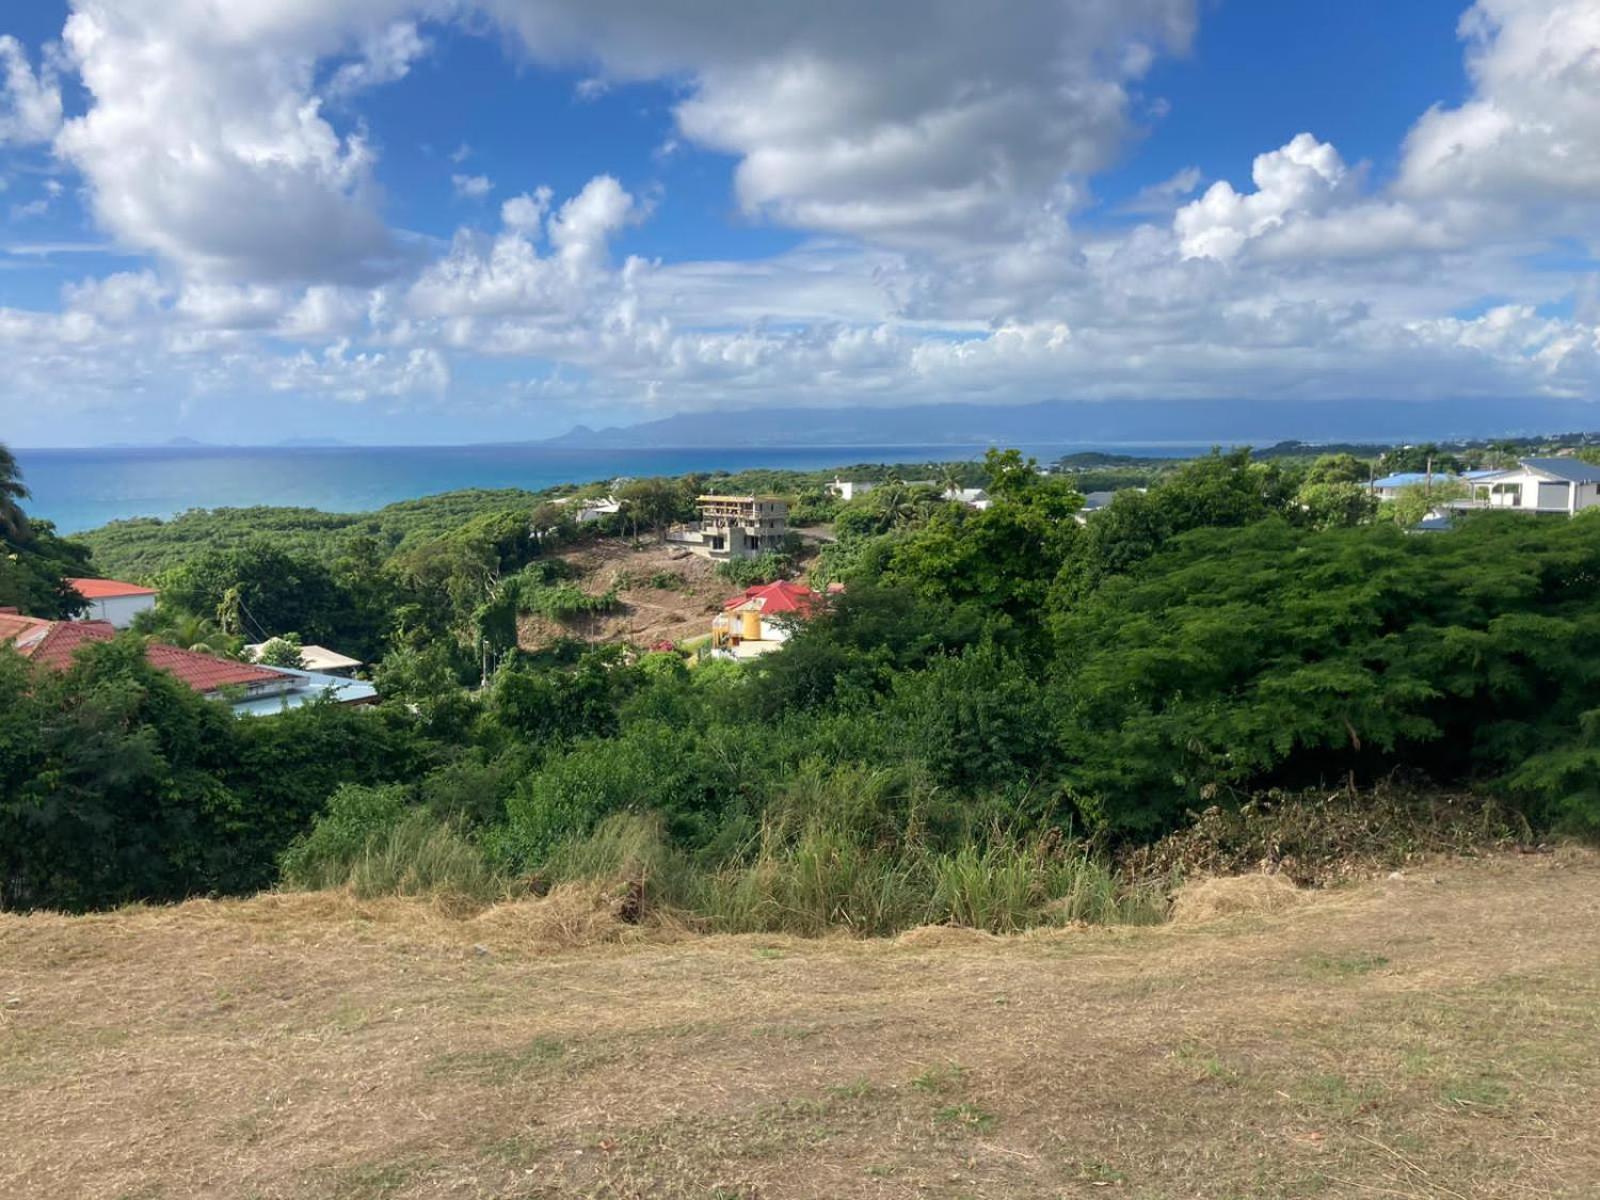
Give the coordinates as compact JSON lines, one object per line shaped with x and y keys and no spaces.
{"x":935,"y":937}
{"x":1238,"y":895}
{"x":572,"y":916}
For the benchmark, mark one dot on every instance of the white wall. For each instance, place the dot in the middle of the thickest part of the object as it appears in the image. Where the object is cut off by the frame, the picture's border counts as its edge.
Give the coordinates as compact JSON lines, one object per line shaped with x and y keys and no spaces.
{"x":119,"y":610}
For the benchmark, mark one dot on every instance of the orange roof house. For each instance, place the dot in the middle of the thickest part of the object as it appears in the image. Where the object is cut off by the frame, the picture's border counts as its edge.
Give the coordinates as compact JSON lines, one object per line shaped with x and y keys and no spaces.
{"x":102,"y":589}
{"x":55,"y":645}
{"x":251,"y":690}
{"x":113,"y":600}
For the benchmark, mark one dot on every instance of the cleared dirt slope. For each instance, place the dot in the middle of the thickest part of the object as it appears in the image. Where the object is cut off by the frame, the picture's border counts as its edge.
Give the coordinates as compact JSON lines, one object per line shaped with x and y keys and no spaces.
{"x":1432,"y":1036}
{"x":645,"y":614}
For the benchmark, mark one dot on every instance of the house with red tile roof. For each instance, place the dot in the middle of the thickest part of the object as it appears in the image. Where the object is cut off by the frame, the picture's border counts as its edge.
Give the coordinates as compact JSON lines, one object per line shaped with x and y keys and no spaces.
{"x":770,"y":599}
{"x":250,"y":689}
{"x":761,"y":620}
{"x":114,"y":601}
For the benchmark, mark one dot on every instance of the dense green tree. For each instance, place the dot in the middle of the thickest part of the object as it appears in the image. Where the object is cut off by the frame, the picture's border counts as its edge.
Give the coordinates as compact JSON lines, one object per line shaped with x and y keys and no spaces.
{"x":1414,"y":503}
{"x":654,"y":504}
{"x":259,"y":591}
{"x":1237,"y":659}
{"x":1219,"y":490}
{"x":111,"y":791}
{"x":1331,"y":505}
{"x":1425,"y":457}
{"x":13,"y":521}
{"x":1338,"y":468}
{"x":282,"y":651}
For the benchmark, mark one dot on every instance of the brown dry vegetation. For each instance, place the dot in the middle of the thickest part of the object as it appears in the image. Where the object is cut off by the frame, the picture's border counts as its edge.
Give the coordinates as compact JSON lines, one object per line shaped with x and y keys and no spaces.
{"x":1427,"y":1036}
{"x":645,"y":614}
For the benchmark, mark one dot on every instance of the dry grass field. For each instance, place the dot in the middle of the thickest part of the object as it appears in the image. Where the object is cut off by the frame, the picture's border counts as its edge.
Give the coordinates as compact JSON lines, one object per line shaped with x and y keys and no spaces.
{"x":1436,"y":1035}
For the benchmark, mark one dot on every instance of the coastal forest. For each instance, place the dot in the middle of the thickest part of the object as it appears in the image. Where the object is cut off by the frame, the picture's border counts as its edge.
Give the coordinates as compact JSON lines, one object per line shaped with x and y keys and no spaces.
{"x":1000,"y":710}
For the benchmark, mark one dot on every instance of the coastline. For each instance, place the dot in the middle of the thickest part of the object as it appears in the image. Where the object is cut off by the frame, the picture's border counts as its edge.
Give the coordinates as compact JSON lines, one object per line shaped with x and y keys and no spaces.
{"x":85,"y":489}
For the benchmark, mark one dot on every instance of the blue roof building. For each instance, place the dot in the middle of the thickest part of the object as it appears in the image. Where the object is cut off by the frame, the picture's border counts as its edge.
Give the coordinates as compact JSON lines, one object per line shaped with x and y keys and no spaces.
{"x":310,"y":687}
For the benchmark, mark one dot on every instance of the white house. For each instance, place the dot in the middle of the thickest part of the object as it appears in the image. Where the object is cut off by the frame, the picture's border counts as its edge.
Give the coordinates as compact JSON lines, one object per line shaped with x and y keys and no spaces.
{"x":317,"y":659}
{"x":972,"y":497}
{"x":113,"y":601}
{"x":593,"y":510}
{"x":848,"y":489}
{"x":1538,"y":485}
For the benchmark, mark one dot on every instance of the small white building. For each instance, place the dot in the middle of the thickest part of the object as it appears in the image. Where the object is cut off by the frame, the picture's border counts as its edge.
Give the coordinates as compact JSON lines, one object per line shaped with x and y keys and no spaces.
{"x":113,"y":601}
{"x":317,"y":659}
{"x":972,"y":497}
{"x":849,"y":489}
{"x":1538,"y":485}
{"x":593,"y":510}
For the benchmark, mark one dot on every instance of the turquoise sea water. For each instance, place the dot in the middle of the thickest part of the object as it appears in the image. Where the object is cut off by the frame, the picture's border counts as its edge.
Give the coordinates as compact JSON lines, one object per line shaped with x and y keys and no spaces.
{"x":80,"y":489}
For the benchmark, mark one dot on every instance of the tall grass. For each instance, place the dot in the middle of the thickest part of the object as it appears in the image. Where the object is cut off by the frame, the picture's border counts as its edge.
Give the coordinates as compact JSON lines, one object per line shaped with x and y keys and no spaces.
{"x":375,"y":846}
{"x":419,"y":856}
{"x":867,"y":852}
{"x":823,"y":878}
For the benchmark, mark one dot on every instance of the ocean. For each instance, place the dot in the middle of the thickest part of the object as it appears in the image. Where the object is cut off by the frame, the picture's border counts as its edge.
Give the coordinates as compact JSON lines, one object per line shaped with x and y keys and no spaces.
{"x":82,"y":489}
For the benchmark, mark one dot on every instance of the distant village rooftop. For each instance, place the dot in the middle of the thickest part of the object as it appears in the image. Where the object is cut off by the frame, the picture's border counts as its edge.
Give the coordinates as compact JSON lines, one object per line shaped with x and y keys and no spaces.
{"x":250,"y":690}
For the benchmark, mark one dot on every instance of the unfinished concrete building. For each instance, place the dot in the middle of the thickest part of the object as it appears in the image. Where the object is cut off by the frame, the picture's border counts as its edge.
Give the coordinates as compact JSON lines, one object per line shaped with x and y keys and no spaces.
{"x":736,"y":527}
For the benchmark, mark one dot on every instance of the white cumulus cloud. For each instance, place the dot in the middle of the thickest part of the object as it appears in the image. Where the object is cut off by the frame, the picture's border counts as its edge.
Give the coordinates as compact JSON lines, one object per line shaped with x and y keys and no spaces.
{"x":1530,"y":132}
{"x":30,"y":103}
{"x":1304,"y":176}
{"x":471,"y":187}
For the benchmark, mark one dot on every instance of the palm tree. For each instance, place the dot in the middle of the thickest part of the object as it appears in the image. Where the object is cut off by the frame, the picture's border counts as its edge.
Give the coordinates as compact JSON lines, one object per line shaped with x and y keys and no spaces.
{"x":950,"y":479}
{"x":13,"y":521}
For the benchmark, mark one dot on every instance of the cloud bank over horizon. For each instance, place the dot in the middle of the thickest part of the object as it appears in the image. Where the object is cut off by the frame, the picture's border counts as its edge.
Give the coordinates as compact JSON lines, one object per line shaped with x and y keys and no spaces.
{"x":224,"y":217}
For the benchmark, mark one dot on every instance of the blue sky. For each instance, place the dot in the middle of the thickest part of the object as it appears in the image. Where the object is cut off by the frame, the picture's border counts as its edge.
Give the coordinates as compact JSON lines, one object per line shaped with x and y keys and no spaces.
{"x":460,"y":220}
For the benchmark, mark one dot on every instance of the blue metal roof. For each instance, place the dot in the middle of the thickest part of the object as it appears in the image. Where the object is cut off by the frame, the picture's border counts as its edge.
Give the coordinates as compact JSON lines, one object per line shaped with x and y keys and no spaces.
{"x":1407,"y":479}
{"x":336,"y":687}
{"x":1434,"y":524}
{"x":1572,"y":469}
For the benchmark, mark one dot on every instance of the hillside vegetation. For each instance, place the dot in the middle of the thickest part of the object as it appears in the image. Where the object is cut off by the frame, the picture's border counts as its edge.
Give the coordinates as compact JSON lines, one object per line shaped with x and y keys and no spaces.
{"x":1429,"y":1036}
{"x":999,"y":703}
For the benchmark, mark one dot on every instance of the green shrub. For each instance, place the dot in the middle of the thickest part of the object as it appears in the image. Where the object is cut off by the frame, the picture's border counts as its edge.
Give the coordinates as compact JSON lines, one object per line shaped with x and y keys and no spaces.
{"x":651,"y":767}
{"x":325,"y":855}
{"x":562,"y":602}
{"x":764,"y":568}
{"x":998,"y":887}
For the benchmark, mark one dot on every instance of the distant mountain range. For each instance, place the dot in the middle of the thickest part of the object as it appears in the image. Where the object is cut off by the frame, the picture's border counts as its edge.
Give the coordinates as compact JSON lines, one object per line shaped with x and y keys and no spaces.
{"x":1149,"y":422}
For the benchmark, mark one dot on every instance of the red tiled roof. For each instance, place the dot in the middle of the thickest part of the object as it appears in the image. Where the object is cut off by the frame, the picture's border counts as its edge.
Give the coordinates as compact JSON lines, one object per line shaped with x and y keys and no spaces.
{"x":780,"y":597}
{"x":19,"y":629}
{"x":104,"y":589}
{"x":59,"y":641}
{"x":206,"y":672}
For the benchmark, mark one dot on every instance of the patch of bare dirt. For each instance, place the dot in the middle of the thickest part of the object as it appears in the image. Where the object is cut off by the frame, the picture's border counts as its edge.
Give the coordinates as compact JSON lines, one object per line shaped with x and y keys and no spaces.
{"x":664,"y":593}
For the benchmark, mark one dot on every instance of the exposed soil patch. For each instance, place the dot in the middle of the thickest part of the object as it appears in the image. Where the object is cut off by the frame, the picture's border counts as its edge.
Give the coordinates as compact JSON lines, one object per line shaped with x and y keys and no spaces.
{"x":646,"y":613}
{"x":1430,"y":1035}
{"x":664,"y":593}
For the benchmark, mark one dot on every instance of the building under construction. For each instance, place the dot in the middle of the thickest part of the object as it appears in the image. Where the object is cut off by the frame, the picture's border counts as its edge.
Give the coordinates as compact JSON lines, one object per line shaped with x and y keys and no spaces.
{"x":736,"y":527}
